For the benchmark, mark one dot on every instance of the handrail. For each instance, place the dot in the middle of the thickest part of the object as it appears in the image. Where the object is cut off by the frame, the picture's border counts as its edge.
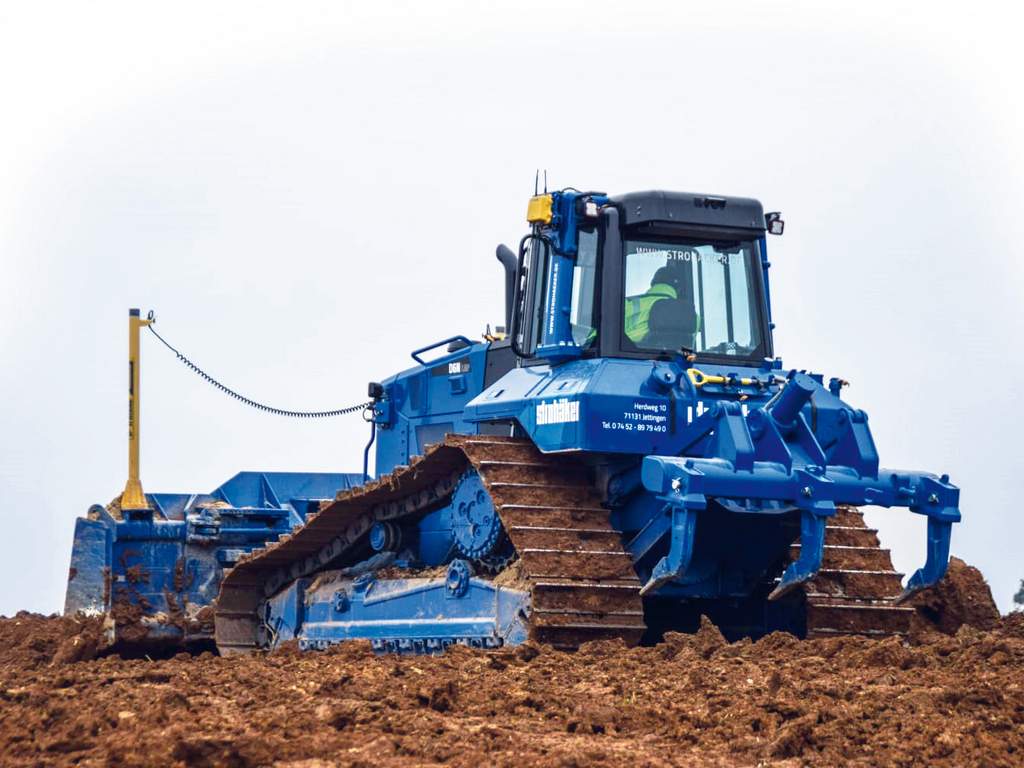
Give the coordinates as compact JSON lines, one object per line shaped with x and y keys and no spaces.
{"x":416,"y":353}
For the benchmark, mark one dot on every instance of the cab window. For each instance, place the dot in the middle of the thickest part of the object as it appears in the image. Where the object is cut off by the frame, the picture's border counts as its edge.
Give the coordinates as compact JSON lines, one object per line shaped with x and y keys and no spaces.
{"x":584,"y":327}
{"x":696,"y":295}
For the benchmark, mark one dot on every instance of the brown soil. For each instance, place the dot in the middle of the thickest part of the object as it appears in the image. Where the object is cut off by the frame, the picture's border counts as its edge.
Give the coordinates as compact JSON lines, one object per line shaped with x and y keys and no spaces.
{"x":962,"y":597}
{"x":692,"y":700}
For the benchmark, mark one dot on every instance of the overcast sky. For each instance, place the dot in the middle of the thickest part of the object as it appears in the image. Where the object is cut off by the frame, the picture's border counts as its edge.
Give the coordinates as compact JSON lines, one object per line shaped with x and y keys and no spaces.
{"x":304,"y":193}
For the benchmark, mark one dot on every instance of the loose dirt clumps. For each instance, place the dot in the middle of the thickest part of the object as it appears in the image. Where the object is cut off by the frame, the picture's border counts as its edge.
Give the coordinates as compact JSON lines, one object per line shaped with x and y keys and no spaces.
{"x":962,"y":597}
{"x":29,"y":641}
{"x":936,"y":699}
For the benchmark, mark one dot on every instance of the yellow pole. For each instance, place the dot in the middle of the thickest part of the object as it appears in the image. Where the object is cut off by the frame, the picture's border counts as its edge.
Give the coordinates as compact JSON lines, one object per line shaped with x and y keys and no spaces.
{"x":133,"y":496}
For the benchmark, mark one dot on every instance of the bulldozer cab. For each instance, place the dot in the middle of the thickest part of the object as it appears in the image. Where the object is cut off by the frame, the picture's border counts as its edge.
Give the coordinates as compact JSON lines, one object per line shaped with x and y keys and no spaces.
{"x":641,"y":276}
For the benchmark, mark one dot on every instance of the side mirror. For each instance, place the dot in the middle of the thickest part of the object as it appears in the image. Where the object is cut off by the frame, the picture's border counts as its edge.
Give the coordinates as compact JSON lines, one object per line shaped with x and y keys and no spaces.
{"x":774,"y":223}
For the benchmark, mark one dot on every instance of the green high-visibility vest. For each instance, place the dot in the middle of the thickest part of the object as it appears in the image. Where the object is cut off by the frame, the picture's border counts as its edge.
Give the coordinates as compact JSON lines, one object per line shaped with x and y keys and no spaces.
{"x":638,"y":311}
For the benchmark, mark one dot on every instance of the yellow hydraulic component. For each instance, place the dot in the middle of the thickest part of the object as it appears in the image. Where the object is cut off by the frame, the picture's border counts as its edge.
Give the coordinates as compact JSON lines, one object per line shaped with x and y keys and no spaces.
{"x":698,"y":378}
{"x":539,"y":209}
{"x":133,"y":496}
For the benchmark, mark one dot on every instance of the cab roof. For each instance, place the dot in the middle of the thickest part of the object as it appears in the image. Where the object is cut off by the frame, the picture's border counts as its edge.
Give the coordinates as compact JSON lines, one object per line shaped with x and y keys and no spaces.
{"x":690,"y":208}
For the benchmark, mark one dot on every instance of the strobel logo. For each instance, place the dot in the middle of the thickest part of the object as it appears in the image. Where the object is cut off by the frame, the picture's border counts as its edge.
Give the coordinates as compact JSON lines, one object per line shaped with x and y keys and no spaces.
{"x":561,"y":411}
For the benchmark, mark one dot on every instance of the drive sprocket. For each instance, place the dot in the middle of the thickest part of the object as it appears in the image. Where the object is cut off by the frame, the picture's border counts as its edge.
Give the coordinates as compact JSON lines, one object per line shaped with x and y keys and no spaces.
{"x":476,"y":526}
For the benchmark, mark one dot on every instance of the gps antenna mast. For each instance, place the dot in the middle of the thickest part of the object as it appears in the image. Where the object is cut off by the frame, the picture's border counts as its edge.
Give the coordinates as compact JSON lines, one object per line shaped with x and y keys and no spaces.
{"x":133,"y":496}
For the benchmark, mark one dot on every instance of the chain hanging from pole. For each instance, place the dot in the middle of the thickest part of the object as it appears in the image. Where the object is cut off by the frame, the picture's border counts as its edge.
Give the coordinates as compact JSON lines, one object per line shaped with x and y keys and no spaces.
{"x":248,"y":400}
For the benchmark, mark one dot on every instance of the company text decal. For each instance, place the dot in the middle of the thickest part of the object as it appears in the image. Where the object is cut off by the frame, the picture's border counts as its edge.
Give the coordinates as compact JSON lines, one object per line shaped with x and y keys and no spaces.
{"x":562,"y":411}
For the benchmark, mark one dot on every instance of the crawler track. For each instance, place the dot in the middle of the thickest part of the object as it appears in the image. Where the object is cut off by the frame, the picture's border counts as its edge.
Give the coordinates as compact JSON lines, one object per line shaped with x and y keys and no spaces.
{"x":854,"y":592}
{"x":581,"y":578}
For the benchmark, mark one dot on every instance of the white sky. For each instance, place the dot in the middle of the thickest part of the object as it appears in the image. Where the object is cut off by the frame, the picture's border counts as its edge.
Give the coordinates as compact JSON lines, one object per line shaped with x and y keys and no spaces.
{"x":305,"y":192}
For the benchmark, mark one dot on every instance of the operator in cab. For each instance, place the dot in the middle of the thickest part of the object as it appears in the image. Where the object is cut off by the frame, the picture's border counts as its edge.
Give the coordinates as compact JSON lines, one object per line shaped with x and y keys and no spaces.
{"x":663,"y":317}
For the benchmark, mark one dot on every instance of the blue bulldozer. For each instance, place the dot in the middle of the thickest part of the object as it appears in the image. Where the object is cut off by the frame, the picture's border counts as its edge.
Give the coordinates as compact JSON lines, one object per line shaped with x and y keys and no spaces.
{"x":624,"y":455}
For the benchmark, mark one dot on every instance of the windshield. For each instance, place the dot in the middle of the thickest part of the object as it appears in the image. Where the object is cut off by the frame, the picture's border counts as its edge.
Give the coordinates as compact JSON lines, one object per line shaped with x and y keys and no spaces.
{"x":694,"y":294}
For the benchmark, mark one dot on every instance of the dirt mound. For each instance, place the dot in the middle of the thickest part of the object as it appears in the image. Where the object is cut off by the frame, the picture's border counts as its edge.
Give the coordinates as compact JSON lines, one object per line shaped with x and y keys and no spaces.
{"x":1013,"y":625}
{"x":962,"y":597}
{"x":692,"y":700}
{"x":29,"y":640}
